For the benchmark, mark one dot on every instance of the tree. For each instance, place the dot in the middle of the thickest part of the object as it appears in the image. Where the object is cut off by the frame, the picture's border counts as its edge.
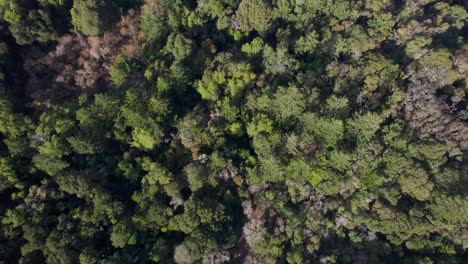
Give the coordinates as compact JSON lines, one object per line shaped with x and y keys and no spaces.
{"x":123,"y":234}
{"x":285,"y":103}
{"x":93,"y":17}
{"x":49,"y":165}
{"x":254,"y":47}
{"x":327,"y":131}
{"x":156,"y":173}
{"x":220,"y":131}
{"x":339,"y":160}
{"x":306,"y":44}
{"x":213,"y":8}
{"x":99,"y":113}
{"x":379,"y":72}
{"x":197,"y":175}
{"x":82,"y":145}
{"x":449,"y":210}
{"x":153,"y":21}
{"x":338,"y":106}
{"x":259,"y":124}
{"x":358,"y":41}
{"x":413,"y":179}
{"x":437,"y":66}
{"x":415,"y":47}
{"x":12,"y":124}
{"x":144,"y":139}
{"x":225,"y":79}
{"x":28,"y":22}
{"x":363,"y":127}
{"x":121,"y":70}
{"x":380,"y":26}
{"x":253,"y":15}
{"x":179,"y":46}
{"x":278,"y":61}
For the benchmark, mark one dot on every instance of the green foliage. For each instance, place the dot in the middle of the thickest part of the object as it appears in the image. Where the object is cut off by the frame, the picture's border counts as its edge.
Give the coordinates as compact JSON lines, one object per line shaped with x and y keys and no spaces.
{"x":449,"y":210}
{"x":379,"y":72}
{"x":327,"y":131}
{"x":339,"y":160}
{"x":122,"y":235}
{"x":11,"y":124}
{"x":254,"y":47}
{"x":298,"y":170}
{"x":357,"y":42}
{"x":92,"y":17}
{"x":413,"y":179}
{"x":254,"y":15}
{"x":122,"y":69}
{"x":156,"y":173}
{"x":440,"y":61}
{"x":15,"y":217}
{"x":307,"y":44}
{"x":213,"y":8}
{"x":82,"y":145}
{"x":338,"y":106}
{"x":49,"y":165}
{"x":380,"y":26}
{"x":179,"y":46}
{"x":225,"y":80}
{"x":152,"y":24}
{"x":197,"y":176}
{"x":101,"y":112}
{"x":29,"y":21}
{"x":364,"y":126}
{"x":259,"y":124}
{"x":144,"y":139}
{"x":414,"y":46}
{"x":285,"y":103}
{"x":278,"y":61}
{"x":214,"y":131}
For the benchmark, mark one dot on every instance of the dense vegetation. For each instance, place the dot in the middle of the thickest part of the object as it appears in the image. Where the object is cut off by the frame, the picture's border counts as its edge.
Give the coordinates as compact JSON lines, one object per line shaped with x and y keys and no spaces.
{"x":233,"y":131}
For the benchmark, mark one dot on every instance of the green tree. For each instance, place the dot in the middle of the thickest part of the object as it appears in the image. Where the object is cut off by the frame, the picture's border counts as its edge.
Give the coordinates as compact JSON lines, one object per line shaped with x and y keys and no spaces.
{"x":285,"y":103}
{"x":436,"y":62}
{"x":30,"y":21}
{"x":380,"y":26}
{"x":49,"y":165}
{"x":121,"y":70}
{"x":449,"y":210}
{"x":413,"y":179}
{"x":144,"y":139}
{"x":179,"y":46}
{"x":225,"y":78}
{"x":340,"y":160}
{"x":153,"y":21}
{"x":278,"y":61}
{"x":197,"y":175}
{"x":327,"y":131}
{"x":338,"y":106}
{"x":260,"y":124}
{"x":93,"y":17}
{"x":254,"y":47}
{"x":254,"y":15}
{"x":363,"y":127}
{"x":122,"y":234}
{"x":307,"y":43}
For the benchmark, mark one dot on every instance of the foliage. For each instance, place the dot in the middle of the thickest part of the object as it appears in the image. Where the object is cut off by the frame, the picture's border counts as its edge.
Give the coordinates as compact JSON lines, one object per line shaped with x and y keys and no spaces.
{"x":307,"y":43}
{"x":218,"y":131}
{"x":31,"y":21}
{"x":179,"y":46}
{"x":254,"y":15}
{"x":92,"y":17}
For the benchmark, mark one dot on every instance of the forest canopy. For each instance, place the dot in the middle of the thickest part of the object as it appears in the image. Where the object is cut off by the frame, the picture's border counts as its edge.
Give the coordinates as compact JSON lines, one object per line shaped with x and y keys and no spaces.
{"x":246,"y":131}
